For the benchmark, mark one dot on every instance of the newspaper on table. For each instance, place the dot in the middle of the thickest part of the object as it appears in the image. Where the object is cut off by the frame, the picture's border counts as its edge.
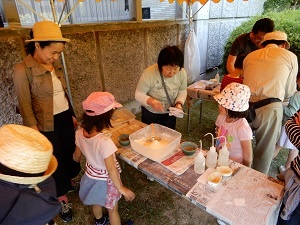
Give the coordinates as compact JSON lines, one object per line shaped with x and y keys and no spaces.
{"x":247,"y":196}
{"x":130,"y":156}
{"x":178,"y":162}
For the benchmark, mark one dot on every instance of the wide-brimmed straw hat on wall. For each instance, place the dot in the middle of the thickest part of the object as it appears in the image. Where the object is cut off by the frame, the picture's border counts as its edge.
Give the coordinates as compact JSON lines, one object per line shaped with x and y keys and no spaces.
{"x":47,"y":31}
{"x":25,"y":155}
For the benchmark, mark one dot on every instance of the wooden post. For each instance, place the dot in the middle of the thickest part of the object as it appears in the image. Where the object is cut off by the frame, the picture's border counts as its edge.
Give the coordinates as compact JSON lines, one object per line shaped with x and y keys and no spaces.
{"x":138,"y":5}
{"x":11,"y":13}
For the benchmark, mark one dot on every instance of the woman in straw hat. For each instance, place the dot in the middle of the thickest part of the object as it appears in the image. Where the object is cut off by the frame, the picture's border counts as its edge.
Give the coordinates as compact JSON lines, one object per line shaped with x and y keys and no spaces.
{"x":44,"y":104}
{"x":26,"y":166}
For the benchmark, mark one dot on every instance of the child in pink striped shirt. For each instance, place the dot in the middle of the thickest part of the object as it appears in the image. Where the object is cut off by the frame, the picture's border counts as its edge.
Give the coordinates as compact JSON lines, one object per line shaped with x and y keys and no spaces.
{"x":101,"y":185}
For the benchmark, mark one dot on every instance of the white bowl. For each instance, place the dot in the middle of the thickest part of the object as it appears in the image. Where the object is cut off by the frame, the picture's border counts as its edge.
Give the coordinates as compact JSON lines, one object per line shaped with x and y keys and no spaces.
{"x":214,"y":178}
{"x":224,"y":170}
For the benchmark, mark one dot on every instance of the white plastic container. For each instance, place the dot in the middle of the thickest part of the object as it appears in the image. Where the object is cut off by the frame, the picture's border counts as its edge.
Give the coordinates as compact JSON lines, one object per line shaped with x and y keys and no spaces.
{"x":211,"y":157}
{"x":217,"y":77}
{"x":156,"y":150}
{"x":223,"y":156}
{"x":199,"y":163}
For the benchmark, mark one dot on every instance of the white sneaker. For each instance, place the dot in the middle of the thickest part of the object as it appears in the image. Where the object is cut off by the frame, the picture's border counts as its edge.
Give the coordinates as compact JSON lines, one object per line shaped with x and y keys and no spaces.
{"x":281,"y":168}
{"x":150,"y":178}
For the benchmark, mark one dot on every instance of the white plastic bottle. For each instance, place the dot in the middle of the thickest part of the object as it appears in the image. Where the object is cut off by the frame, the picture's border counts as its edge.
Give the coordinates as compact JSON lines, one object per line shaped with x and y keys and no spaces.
{"x":223,"y":156}
{"x":217,"y":77}
{"x":199,"y":163}
{"x":211,"y":157}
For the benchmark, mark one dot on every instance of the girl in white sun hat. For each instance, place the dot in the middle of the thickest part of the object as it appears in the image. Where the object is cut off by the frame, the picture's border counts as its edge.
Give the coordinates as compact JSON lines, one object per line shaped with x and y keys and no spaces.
{"x":231,"y":123}
{"x":101,"y":185}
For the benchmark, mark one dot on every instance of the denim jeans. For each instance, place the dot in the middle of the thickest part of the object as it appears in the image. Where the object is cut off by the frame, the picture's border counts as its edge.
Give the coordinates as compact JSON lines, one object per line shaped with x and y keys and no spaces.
{"x":294,"y":220}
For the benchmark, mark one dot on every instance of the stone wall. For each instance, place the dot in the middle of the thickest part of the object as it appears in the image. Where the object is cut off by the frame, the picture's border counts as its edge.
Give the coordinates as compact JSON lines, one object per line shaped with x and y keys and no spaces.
{"x":99,"y":57}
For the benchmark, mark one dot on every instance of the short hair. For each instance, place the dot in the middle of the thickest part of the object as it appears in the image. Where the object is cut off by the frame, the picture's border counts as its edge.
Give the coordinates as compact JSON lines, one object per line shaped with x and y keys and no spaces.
{"x":30,"y":46}
{"x":234,"y":114}
{"x":239,"y":62}
{"x":276,"y":42}
{"x":265,"y":25}
{"x":100,"y":121}
{"x":170,"y":55}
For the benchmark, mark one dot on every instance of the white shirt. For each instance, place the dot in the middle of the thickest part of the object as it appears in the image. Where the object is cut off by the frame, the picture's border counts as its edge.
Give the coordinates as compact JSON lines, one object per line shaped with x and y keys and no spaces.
{"x":60,"y":101}
{"x":95,"y":150}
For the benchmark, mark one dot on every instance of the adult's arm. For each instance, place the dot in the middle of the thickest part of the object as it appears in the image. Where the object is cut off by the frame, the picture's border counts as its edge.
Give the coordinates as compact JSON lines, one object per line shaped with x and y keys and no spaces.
{"x":141,"y":94}
{"x":290,"y":87}
{"x":293,"y":106}
{"x":230,"y":63}
{"x":235,"y":50}
{"x":22,"y":89}
{"x":182,"y":92}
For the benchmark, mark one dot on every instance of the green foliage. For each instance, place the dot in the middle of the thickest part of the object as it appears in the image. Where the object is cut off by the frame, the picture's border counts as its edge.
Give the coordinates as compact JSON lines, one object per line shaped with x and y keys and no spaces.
{"x":277,"y":5}
{"x":286,"y":21}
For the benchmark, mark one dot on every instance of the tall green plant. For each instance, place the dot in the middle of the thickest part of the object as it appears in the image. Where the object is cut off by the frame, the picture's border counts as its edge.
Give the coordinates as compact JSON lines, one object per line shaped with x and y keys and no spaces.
{"x":286,"y":21}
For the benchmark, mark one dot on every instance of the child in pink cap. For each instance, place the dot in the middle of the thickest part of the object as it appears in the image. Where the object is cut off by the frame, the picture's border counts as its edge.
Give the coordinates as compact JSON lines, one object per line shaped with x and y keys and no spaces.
{"x":101,"y":185}
{"x":231,"y":123}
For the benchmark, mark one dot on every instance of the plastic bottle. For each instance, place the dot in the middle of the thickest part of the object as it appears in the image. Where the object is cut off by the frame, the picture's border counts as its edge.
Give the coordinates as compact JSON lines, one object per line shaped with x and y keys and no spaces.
{"x":199,"y":163}
{"x":211,"y":157}
{"x":217,"y":77}
{"x":223,"y":156}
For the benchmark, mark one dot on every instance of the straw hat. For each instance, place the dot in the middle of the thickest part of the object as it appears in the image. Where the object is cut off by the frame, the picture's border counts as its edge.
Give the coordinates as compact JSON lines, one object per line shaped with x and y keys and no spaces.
{"x":25,"y":155}
{"x":235,"y":97}
{"x":98,"y":103}
{"x":47,"y":31}
{"x":278,"y":36}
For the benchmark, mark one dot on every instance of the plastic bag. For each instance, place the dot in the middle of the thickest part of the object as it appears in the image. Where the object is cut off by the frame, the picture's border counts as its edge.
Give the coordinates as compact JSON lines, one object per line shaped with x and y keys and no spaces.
{"x":191,"y":58}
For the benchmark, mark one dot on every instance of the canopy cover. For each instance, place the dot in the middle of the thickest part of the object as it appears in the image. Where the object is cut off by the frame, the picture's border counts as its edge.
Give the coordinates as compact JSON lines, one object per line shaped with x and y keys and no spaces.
{"x":190,"y":2}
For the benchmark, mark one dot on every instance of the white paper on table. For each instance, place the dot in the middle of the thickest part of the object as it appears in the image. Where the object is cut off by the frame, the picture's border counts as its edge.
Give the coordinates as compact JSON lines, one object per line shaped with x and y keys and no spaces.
{"x":177,"y":162}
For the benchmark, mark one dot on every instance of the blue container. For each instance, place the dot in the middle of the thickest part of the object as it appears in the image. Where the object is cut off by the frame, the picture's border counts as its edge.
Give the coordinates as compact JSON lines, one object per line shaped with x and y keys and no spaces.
{"x":188,"y":148}
{"x":124,"y":139}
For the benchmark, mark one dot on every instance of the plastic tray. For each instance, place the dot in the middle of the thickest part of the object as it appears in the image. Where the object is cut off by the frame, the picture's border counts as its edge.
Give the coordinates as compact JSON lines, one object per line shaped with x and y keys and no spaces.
{"x":156,"y":150}
{"x":121,"y":116}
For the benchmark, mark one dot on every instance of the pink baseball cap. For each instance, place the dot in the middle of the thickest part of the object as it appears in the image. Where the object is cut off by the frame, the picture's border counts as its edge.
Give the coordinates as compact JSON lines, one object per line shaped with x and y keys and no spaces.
{"x":98,"y":103}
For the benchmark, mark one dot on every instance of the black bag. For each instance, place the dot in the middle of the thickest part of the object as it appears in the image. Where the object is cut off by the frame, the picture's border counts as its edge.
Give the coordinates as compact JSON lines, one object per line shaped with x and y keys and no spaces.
{"x":255,"y":105}
{"x":251,"y":112}
{"x":22,"y":205}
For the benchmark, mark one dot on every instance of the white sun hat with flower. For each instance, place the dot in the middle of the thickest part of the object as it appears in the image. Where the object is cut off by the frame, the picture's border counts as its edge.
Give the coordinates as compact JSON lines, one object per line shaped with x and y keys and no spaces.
{"x":234,"y":96}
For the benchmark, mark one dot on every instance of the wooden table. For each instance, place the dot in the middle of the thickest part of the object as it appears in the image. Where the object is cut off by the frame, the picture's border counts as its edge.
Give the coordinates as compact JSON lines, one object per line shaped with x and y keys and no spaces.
{"x":246,"y":197}
{"x":200,"y":95}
